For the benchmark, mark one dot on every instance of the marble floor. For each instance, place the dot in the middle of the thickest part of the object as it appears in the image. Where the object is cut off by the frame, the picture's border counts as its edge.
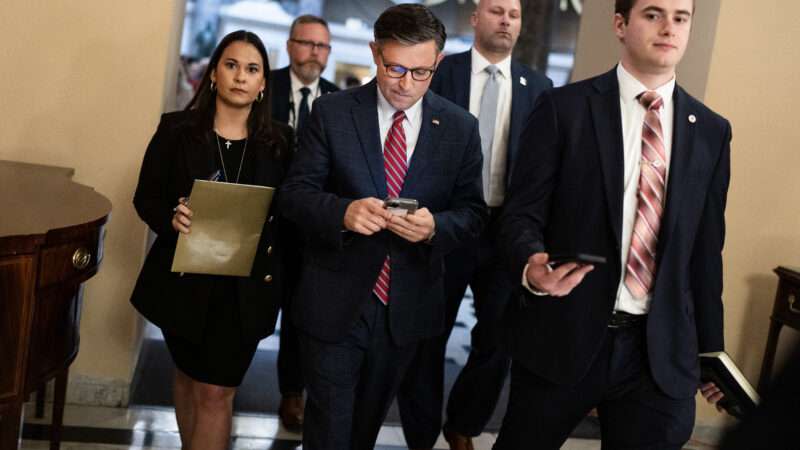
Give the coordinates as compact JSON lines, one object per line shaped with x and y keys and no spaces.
{"x":102,"y":428}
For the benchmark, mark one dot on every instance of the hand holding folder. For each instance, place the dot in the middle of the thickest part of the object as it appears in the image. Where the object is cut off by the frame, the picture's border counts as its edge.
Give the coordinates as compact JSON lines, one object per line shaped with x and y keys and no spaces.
{"x":226,"y":227}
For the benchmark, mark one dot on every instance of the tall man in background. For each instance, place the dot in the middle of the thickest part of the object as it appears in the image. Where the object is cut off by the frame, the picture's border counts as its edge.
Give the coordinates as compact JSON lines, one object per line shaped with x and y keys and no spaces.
{"x":372,"y":285}
{"x":293,"y":91}
{"x":500,"y":92}
{"x":626,"y":165}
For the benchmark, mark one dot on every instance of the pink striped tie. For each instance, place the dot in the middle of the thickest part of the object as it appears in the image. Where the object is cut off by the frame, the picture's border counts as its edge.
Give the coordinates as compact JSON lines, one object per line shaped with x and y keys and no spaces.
{"x":395,"y":166}
{"x":640,"y":270}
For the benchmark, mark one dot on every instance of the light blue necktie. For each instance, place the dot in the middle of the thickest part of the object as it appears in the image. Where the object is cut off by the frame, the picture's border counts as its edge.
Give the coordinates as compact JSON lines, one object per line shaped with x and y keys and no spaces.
{"x":486,"y":120}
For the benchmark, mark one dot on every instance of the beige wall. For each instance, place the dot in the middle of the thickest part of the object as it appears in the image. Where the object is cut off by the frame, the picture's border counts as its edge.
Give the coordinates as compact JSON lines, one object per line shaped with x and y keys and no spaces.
{"x":83,"y":86}
{"x":752,"y":82}
{"x":744,"y":63}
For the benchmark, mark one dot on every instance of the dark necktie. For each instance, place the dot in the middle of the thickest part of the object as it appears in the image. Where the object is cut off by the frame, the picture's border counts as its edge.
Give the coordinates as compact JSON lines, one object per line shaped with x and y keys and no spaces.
{"x":302,"y":112}
{"x":395,"y":167}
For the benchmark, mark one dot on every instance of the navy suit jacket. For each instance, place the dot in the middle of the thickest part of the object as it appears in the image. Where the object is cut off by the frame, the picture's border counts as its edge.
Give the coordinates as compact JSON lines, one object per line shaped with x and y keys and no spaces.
{"x":281,"y":91}
{"x":452,"y":81}
{"x":567,"y":196}
{"x":339,"y":160}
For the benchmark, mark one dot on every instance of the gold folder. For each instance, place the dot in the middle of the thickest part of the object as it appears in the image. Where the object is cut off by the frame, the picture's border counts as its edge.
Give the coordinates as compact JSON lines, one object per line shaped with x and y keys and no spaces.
{"x":226,"y":226}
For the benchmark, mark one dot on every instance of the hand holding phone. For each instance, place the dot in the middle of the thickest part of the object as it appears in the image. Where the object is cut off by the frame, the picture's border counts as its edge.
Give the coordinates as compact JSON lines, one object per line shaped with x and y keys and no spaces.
{"x":579,"y":258}
{"x":400,"y":206}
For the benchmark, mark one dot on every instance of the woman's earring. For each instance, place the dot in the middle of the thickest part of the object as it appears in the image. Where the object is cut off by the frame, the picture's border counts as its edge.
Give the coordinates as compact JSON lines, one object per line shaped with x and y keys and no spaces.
{"x":213,"y":86}
{"x":260,"y":96}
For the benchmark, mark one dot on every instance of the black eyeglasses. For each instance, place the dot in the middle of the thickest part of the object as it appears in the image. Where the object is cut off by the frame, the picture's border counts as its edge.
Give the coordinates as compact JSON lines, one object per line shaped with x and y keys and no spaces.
{"x":398,"y":71}
{"x":319,"y":46}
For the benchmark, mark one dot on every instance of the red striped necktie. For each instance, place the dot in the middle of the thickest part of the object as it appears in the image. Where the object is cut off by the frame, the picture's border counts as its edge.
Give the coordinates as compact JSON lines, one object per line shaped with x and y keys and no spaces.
{"x":395,"y":167}
{"x":640,"y":270}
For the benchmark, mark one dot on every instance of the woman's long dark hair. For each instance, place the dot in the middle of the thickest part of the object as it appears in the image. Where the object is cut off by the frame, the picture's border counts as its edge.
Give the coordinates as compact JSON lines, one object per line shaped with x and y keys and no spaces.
{"x":259,"y":123}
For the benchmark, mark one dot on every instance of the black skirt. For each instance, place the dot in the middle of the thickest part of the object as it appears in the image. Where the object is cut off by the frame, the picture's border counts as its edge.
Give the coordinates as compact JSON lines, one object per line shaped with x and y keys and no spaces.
{"x":223,"y":355}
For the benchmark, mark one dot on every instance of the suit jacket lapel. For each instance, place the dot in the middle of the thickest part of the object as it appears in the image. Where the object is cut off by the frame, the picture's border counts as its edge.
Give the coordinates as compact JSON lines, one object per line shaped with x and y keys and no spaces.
{"x":427,"y":144}
{"x":683,"y":133}
{"x":518,"y":96}
{"x":606,"y":116}
{"x":365,"y":119}
{"x":281,"y":87}
{"x":462,"y":74}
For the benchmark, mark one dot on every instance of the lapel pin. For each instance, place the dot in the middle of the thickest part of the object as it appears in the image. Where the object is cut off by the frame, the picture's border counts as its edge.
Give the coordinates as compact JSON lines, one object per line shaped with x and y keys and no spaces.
{"x":435,"y":122}
{"x":692,"y":118}
{"x":523,"y":81}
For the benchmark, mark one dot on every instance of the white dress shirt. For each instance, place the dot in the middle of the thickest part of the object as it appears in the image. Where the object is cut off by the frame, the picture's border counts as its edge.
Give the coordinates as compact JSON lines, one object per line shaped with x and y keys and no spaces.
{"x":497,"y":168}
{"x":632,"y":116}
{"x":411,"y":124}
{"x":297,"y":96}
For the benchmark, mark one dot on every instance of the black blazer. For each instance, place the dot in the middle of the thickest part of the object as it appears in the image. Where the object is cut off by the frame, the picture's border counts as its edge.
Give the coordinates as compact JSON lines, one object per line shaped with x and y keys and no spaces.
{"x":452,"y":81}
{"x":180,"y":152}
{"x":281,"y":89}
{"x":340,"y":159}
{"x":566,"y":196}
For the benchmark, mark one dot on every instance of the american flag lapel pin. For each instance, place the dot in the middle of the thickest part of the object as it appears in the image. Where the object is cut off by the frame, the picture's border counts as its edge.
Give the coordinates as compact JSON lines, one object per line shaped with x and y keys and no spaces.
{"x":523,"y":81}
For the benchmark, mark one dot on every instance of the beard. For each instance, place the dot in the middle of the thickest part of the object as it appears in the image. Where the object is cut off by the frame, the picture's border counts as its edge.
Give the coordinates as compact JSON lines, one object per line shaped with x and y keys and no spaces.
{"x":308,"y":71}
{"x":499,"y":43}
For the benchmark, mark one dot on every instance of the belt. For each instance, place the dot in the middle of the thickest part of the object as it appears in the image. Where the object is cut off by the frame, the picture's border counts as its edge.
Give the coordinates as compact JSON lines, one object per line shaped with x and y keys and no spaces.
{"x":620,"y":319}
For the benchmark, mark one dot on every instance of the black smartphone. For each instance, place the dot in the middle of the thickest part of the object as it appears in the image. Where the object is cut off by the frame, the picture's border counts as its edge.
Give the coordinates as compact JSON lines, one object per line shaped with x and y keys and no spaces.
{"x":557,"y":259}
{"x":400,"y":206}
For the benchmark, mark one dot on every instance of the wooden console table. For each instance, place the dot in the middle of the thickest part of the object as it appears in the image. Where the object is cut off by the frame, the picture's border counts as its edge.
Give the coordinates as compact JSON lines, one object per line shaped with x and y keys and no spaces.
{"x":786,"y":311}
{"x":51,"y":241}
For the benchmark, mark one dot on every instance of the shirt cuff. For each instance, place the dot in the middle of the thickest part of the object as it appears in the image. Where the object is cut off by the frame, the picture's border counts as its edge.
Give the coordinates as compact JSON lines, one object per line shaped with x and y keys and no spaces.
{"x":528,"y":287}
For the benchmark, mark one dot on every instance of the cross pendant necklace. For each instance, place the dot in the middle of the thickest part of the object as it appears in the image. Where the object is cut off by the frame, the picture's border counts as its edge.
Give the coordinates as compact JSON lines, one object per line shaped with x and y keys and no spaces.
{"x":228,"y":145}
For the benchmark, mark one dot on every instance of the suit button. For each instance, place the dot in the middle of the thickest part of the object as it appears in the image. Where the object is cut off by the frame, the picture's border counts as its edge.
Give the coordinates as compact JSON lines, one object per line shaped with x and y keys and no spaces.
{"x":268,"y":279}
{"x":269,"y":250}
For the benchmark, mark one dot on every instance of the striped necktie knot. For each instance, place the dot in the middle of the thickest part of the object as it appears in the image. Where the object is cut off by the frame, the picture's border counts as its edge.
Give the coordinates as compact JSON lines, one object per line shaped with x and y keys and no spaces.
{"x":651,"y":100}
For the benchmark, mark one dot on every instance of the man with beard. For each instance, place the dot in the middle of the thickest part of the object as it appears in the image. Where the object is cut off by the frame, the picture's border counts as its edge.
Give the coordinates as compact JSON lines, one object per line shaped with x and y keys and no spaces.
{"x":501,"y":93}
{"x":294,"y":89}
{"x":296,"y":86}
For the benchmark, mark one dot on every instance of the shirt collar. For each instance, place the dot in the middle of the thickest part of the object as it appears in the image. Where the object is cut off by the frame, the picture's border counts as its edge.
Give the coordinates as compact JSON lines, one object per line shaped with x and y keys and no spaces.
{"x":630,"y":87}
{"x":386,"y":110}
{"x":479,"y":64}
{"x":297,"y":84}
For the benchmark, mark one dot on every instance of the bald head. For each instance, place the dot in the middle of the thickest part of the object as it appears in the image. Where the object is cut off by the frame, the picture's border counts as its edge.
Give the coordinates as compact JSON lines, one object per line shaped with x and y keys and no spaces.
{"x":497,"y":24}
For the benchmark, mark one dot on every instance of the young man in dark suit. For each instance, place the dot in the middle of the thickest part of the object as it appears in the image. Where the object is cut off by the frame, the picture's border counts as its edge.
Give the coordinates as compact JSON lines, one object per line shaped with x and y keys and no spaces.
{"x":293,"y":91}
{"x":627,"y":166}
{"x":500,"y":92}
{"x":371,"y":287}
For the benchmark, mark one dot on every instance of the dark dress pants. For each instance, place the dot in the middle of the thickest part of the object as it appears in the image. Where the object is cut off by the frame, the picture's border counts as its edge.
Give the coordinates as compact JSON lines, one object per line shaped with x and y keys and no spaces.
{"x":290,"y":372}
{"x":634,"y":413}
{"x":475,"y":393}
{"x":350,"y":384}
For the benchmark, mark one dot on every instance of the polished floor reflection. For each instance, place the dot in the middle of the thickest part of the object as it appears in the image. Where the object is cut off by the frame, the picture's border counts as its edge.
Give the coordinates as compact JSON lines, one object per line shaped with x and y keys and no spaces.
{"x":101,"y":428}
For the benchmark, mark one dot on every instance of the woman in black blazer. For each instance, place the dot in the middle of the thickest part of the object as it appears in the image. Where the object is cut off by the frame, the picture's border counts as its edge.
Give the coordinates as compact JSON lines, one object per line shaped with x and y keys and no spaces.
{"x":212,"y":324}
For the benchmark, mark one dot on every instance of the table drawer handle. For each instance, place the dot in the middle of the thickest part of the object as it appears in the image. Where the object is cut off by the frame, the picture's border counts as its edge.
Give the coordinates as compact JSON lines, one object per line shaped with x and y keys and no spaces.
{"x":82,"y":257}
{"x":792,"y":300}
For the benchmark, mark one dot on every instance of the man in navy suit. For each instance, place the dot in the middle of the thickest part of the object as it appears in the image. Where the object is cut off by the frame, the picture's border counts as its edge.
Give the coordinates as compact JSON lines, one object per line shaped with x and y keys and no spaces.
{"x":293,"y":91}
{"x":308,"y":46}
{"x":467,"y":79}
{"x":372,"y":285}
{"x":630,"y":167}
